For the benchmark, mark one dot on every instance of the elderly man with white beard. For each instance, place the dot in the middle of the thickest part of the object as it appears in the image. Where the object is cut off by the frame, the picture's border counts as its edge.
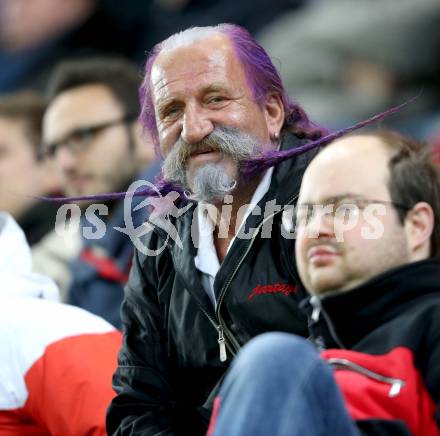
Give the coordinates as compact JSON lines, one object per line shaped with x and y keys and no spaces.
{"x":211,"y":99}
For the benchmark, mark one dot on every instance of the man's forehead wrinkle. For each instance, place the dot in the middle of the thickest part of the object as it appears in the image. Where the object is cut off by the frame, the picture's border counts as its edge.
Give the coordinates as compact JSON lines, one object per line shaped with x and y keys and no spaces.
{"x":165,"y":95}
{"x":161,"y":88}
{"x":158,"y":79}
{"x":184,"y":76}
{"x":162,"y":83}
{"x":205,"y":62}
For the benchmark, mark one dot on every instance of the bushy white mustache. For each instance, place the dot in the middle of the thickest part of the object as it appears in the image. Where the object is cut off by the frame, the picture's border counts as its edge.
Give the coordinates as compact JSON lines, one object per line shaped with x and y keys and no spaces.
{"x":210,"y":182}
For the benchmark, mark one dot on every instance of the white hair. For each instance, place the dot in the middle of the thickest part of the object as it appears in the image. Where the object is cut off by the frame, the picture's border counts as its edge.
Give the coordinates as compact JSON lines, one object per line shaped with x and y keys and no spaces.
{"x":188,"y":36}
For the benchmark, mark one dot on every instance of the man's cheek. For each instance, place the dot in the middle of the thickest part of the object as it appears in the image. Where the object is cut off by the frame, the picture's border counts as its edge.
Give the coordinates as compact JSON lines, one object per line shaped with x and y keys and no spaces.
{"x":349,"y":227}
{"x":300,"y":253}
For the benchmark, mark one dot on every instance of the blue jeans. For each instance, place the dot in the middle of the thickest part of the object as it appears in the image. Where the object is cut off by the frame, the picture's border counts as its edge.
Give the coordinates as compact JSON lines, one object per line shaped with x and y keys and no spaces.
{"x":279,"y":386}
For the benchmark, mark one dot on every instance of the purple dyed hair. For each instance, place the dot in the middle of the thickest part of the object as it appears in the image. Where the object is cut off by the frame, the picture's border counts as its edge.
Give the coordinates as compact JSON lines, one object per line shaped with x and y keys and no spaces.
{"x":261,"y":74}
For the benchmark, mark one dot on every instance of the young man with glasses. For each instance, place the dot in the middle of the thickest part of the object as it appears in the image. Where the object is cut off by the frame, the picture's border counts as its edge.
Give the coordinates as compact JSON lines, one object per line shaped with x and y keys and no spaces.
{"x":90,"y":128}
{"x":91,"y":134}
{"x":374,"y":305}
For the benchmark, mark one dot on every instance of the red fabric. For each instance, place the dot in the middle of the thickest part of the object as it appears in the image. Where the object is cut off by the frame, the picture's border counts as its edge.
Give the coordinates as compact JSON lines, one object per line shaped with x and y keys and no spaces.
{"x":70,"y":388}
{"x":105,"y":266}
{"x":369,"y":398}
{"x":275,"y":288}
{"x":215,"y":410}
{"x":437,"y":151}
{"x":16,"y":423}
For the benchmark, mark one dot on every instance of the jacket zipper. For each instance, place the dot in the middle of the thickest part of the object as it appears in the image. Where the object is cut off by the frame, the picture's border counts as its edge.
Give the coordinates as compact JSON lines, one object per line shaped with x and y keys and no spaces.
{"x":223,"y":345}
{"x":222,"y":329}
{"x":395,"y":383}
{"x":318,"y":310}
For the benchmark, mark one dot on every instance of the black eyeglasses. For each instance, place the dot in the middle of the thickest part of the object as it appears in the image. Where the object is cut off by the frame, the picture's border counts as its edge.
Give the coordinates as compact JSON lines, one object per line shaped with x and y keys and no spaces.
{"x":339,"y":208}
{"x":80,"y":138}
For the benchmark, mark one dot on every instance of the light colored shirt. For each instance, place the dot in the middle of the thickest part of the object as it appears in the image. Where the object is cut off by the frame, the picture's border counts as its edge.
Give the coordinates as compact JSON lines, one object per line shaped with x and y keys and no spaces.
{"x":206,"y":260}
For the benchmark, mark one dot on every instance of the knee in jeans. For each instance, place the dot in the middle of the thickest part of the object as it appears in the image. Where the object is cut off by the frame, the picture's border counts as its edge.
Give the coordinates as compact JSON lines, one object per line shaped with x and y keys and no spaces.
{"x":276,"y":348}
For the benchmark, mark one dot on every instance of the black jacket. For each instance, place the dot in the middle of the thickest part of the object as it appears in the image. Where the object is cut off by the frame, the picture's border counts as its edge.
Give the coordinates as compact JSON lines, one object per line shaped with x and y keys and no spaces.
{"x":169,"y":365}
{"x":383,"y":339}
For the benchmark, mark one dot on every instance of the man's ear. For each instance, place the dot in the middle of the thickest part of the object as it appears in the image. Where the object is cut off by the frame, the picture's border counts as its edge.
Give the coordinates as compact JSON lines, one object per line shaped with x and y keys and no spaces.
{"x":274,"y":112}
{"x":419,"y":225}
{"x":144,"y":147}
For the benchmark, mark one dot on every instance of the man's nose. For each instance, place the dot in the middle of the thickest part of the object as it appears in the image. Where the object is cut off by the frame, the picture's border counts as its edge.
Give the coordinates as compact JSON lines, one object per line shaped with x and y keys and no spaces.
{"x":196,"y":124}
{"x":65,"y":159}
{"x":321,"y":224}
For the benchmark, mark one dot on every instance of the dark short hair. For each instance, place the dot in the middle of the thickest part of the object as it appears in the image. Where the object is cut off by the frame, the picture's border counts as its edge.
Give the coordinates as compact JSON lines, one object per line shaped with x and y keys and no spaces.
{"x":27,"y":107}
{"x":414,"y":177}
{"x":120,"y":76}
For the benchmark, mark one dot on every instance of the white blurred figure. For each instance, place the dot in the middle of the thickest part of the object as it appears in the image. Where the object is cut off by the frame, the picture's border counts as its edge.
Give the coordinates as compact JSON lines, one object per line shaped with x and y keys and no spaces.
{"x":56,"y":360}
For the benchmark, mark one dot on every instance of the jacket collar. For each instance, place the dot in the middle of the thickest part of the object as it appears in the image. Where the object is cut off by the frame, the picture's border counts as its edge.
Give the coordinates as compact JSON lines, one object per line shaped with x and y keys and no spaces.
{"x":287,"y":176}
{"x":355,"y":313}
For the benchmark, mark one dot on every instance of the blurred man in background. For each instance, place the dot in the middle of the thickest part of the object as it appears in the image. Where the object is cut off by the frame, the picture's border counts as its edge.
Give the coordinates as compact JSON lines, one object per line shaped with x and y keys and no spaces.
{"x":368,"y":253}
{"x":91,"y":134}
{"x":23,"y":172}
